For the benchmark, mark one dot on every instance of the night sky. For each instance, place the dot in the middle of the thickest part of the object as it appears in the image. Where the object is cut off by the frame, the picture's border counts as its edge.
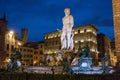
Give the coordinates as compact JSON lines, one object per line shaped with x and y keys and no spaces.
{"x":42,"y":16}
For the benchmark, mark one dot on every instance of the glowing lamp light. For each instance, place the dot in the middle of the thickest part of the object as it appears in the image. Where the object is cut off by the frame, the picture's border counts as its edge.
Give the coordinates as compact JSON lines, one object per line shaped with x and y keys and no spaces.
{"x":93,"y":50}
{"x":76,"y":41}
{"x":11,"y":33}
{"x":19,"y":43}
{"x":82,"y":32}
{"x":35,"y":62}
{"x":8,"y":60}
{"x":89,"y":30}
{"x":89,"y":40}
{"x":82,"y":40}
{"x":75,"y":32}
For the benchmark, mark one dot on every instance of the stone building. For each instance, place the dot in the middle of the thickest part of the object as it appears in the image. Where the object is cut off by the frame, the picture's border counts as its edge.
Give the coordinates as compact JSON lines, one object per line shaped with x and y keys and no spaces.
{"x":103,"y":46}
{"x":12,"y":41}
{"x":38,"y":55}
{"x":32,"y":53}
{"x":116,"y":14}
{"x":82,"y":35}
{"x":27,"y":55}
{"x":9,"y":41}
{"x":106,"y":46}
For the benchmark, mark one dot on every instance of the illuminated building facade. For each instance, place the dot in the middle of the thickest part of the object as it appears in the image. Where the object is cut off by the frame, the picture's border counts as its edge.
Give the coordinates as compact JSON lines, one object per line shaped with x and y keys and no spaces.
{"x":12,"y":42}
{"x":27,"y":55}
{"x":38,"y":56}
{"x":32,"y":53}
{"x":9,"y":41}
{"x":29,"y":51}
{"x":116,"y":13}
{"x":82,"y":35}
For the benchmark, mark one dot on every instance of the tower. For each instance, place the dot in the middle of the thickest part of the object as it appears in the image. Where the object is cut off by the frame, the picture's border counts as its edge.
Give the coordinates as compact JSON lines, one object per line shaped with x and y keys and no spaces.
{"x":24,"y":35}
{"x":3,"y":28}
{"x":116,"y":14}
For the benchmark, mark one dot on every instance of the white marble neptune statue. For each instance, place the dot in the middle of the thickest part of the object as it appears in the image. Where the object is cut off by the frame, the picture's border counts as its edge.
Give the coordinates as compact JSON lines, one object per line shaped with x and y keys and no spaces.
{"x":67,"y":32}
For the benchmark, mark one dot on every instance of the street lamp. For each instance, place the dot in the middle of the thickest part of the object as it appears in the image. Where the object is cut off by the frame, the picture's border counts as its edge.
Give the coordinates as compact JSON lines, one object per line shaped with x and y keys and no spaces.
{"x":7,"y":60}
{"x":11,"y":34}
{"x":19,"y":43}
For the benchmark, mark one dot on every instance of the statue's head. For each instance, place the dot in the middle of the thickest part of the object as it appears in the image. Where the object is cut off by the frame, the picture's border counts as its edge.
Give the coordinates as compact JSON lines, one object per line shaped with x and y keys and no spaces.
{"x":67,"y":11}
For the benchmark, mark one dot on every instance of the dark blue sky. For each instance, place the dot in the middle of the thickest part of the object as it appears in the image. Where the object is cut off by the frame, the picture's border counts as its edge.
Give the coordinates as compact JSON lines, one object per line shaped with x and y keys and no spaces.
{"x":42,"y":16}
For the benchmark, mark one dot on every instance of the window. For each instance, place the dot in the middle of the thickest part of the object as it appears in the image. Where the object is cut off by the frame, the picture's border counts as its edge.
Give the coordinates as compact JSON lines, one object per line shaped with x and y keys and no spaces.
{"x":41,"y":52}
{"x":7,"y":47}
{"x":78,"y":31}
{"x":28,"y":50}
{"x":35,"y":52}
{"x":20,"y":49}
{"x":24,"y":49}
{"x":12,"y":48}
{"x":52,"y":43}
{"x":31,"y":50}
{"x":84,"y":30}
{"x":24,"y":55}
{"x":41,"y":46}
{"x":59,"y":47}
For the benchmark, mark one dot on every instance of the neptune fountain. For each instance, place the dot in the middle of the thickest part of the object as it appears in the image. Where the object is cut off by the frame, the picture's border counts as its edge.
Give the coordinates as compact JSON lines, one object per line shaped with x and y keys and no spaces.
{"x":83,"y":63}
